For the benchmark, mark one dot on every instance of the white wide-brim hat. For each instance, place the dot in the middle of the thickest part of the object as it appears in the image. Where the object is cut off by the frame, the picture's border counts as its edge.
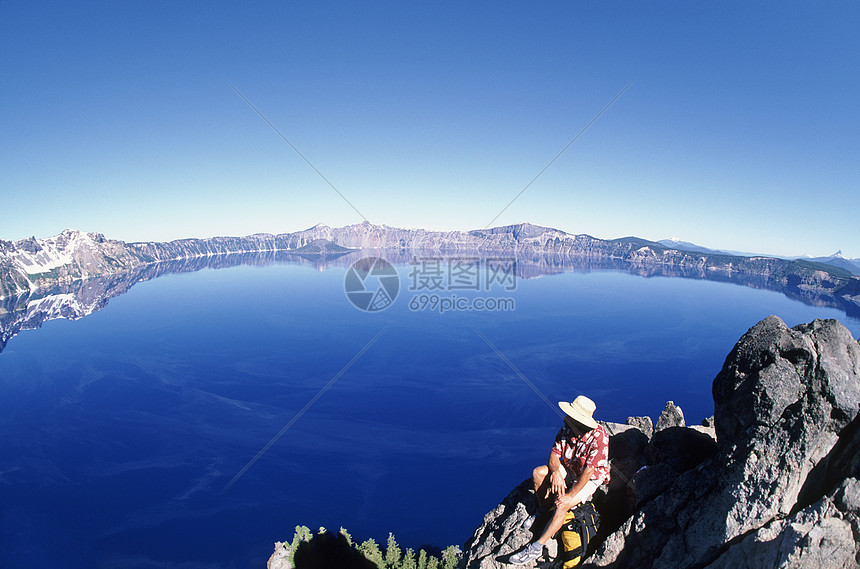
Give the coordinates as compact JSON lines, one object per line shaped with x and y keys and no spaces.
{"x":582,"y":409}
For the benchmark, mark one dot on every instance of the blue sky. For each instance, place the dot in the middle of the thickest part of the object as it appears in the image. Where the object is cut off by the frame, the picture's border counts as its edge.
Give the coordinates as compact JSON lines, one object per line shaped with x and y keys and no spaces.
{"x":740,"y":130}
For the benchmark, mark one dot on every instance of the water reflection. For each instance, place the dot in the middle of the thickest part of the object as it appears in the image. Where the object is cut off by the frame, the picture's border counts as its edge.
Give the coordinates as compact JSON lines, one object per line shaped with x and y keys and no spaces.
{"x":80,"y":298}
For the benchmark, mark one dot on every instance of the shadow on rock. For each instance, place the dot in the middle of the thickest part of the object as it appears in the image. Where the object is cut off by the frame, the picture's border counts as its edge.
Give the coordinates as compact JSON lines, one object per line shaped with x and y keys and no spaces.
{"x":326,"y":551}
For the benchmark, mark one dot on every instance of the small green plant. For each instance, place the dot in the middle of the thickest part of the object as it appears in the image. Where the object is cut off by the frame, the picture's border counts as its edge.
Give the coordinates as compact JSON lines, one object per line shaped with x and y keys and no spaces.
{"x":408,"y":560}
{"x":392,"y":553}
{"x":450,"y":557}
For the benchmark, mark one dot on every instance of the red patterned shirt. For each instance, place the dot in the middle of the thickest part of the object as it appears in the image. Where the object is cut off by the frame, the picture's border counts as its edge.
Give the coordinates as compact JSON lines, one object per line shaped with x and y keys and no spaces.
{"x":577,"y":454}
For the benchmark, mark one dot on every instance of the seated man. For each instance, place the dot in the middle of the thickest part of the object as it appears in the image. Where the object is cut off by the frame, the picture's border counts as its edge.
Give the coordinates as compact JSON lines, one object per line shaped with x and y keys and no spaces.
{"x":578,"y":464}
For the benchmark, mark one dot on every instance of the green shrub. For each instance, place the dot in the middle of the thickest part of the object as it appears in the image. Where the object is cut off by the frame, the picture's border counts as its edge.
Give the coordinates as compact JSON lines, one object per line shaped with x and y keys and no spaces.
{"x":408,"y":560}
{"x":372,"y":553}
{"x":303,"y":534}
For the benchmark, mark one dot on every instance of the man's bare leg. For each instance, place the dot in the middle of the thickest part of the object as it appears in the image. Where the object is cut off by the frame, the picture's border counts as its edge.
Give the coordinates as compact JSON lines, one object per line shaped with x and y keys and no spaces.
{"x":544,"y":497}
{"x":553,"y":526}
{"x":543,"y":485}
{"x":541,"y":481}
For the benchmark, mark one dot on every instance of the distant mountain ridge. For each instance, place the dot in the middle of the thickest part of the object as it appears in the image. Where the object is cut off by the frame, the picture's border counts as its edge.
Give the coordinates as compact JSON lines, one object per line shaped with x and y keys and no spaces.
{"x":681,"y":245}
{"x":835,"y":260}
{"x":30,"y":264}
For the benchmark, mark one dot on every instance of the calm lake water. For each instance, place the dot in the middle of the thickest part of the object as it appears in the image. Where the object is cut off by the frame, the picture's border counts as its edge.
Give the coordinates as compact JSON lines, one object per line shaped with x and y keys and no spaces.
{"x":120,"y":432}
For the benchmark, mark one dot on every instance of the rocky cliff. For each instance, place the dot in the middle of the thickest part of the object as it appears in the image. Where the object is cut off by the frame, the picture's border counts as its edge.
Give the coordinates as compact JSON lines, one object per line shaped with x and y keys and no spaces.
{"x":772,"y":481}
{"x":33,"y":263}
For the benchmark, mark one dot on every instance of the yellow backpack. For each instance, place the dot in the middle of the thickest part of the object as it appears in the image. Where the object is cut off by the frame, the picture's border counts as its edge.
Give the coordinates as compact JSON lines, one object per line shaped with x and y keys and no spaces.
{"x":580,"y":525}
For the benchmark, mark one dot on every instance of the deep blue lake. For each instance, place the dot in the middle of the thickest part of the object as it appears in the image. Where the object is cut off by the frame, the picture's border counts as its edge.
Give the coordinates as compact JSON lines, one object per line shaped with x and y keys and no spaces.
{"x":120,"y":432}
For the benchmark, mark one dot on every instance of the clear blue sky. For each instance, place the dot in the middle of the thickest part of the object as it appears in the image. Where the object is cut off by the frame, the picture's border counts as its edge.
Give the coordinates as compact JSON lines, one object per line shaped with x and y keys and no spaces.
{"x":741,"y":129}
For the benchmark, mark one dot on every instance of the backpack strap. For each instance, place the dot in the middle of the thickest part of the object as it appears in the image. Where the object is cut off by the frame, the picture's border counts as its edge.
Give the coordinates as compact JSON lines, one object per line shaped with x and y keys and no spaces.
{"x":566,"y":555}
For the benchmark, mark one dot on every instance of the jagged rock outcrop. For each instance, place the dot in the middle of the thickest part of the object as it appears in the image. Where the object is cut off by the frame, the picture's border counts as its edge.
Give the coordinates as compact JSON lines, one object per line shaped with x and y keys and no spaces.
{"x":672,"y":416}
{"x":501,"y":533}
{"x":779,"y":486}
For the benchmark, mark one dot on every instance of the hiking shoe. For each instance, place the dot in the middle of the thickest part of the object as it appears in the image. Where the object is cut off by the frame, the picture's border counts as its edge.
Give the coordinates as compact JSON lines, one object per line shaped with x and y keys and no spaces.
{"x":531,"y":552}
{"x":529,"y":522}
